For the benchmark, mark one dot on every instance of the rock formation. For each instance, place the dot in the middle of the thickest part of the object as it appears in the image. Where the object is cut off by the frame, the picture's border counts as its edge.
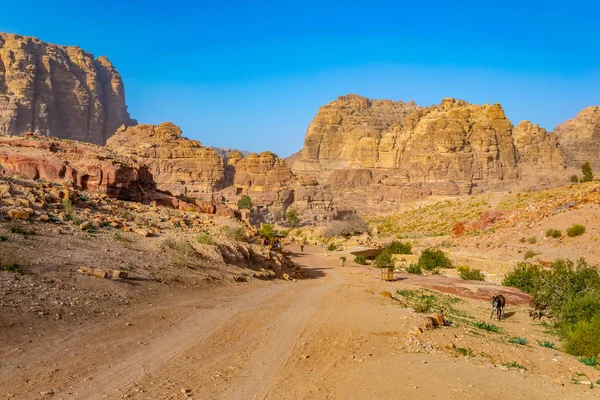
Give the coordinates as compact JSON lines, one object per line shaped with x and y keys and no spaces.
{"x":76,"y":165}
{"x":59,"y":91}
{"x":178,"y":165}
{"x":580,"y":138}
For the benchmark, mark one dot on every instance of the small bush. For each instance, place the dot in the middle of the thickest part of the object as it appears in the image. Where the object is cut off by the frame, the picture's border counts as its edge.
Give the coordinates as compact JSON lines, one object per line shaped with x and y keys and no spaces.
{"x":518,"y":340}
{"x":530,"y":254}
{"x":331,"y":247}
{"x":486,"y":327}
{"x":574,"y":179}
{"x":523,"y":277}
{"x":547,"y":344}
{"x":430,"y":259}
{"x":532,"y":240}
{"x":236,"y":233}
{"x":13,"y":268}
{"x":523,"y":240}
{"x":204,"y":238}
{"x":292,"y":218}
{"x":590,"y":361}
{"x":514,"y":364}
{"x":424,"y":304}
{"x":16,"y":228}
{"x":588,"y":175}
{"x":469,"y":274}
{"x":267,"y":231}
{"x":465,"y":351}
{"x":383,"y":259}
{"x":360,"y":260}
{"x":67,"y":205}
{"x":399,"y":248}
{"x":349,"y":226}
{"x":3,"y":238}
{"x":413,"y":268}
{"x":583,"y":338}
{"x":245,"y":203}
{"x":554,"y":233}
{"x":576,"y":230}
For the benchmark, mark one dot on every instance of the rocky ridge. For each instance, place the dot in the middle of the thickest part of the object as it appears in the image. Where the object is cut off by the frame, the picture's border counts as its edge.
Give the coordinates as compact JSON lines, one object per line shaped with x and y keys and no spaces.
{"x":60,"y":91}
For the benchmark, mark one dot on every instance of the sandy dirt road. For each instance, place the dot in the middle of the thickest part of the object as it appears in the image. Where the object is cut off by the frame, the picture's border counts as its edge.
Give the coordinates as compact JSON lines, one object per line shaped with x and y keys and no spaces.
{"x":328,"y":337}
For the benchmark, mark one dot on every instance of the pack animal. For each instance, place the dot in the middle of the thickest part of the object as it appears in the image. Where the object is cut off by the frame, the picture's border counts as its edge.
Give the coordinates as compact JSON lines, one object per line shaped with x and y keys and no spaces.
{"x":498,"y":303}
{"x":538,"y":310}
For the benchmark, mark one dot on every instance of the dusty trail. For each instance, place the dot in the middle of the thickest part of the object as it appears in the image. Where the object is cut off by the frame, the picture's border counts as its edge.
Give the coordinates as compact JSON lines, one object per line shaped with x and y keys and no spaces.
{"x":329,"y":337}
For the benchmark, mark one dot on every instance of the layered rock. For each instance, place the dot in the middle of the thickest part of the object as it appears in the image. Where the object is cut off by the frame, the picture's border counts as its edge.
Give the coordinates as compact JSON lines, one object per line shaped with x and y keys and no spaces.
{"x":178,"y":165}
{"x":59,"y":91}
{"x":538,"y":147}
{"x":76,"y":165}
{"x":580,"y":138}
{"x":400,"y":143}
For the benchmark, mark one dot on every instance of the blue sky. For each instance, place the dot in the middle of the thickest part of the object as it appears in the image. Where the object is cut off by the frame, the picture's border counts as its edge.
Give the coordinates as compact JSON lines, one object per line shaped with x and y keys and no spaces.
{"x":252,"y":75}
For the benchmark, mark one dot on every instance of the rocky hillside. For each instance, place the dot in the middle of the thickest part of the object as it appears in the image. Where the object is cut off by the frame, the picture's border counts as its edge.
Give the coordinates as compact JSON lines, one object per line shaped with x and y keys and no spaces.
{"x":580,"y":138}
{"x":60,"y":91}
{"x":465,"y":145}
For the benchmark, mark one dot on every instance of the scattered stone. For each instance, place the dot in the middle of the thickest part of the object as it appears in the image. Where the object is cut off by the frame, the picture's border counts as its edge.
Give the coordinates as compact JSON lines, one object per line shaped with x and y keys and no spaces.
{"x":16,"y":213}
{"x":118,"y":274}
{"x":85,"y":225}
{"x":386,"y":294}
{"x":47,"y":393}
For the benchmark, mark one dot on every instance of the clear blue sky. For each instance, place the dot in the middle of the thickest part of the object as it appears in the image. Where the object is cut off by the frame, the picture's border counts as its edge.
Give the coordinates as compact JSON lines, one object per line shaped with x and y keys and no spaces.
{"x":252,"y":74}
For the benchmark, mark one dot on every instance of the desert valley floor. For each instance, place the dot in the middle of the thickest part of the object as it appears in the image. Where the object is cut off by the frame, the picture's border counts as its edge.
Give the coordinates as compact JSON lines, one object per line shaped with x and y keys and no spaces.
{"x":342,"y":333}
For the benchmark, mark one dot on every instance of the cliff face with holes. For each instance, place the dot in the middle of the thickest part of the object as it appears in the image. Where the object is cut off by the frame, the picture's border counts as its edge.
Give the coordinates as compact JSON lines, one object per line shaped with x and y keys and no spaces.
{"x":59,"y":91}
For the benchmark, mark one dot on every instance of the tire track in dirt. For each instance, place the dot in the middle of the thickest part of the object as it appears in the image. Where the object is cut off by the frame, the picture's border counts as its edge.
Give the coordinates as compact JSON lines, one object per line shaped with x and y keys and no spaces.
{"x":265,"y":367}
{"x":172,"y":343}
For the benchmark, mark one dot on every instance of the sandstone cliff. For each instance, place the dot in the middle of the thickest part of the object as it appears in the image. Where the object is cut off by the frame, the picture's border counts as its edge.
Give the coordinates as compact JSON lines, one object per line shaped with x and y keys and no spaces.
{"x":59,"y":91}
{"x":178,"y":165}
{"x":580,"y":138}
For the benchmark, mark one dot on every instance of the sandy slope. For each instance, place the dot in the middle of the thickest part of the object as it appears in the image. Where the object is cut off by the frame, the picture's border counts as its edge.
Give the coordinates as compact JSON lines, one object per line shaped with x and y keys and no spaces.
{"x":330,"y":337}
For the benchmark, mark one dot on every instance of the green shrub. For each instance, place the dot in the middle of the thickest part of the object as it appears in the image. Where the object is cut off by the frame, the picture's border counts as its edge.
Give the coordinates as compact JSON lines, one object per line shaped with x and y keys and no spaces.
{"x":588,"y":175}
{"x":486,"y":327}
{"x":574,"y":179}
{"x":13,"y":268}
{"x":413,"y":268}
{"x":245,"y":203}
{"x":383,"y":259}
{"x":424,"y":304}
{"x":236,"y":233}
{"x":590,"y":361}
{"x":67,"y":205}
{"x":547,"y":344}
{"x":523,"y":240}
{"x":292,"y":218}
{"x":576,"y":230}
{"x":514,"y":364}
{"x":518,"y":340}
{"x":430,"y":259}
{"x":583,"y":338}
{"x":399,"y":248}
{"x":16,"y":228}
{"x":523,"y":277}
{"x":469,"y":274}
{"x":204,"y":238}
{"x":554,"y":233}
{"x":3,"y":238}
{"x":267,"y":231}
{"x":331,"y":247}
{"x":360,"y":260}
{"x":465,"y":351}
{"x":530,"y":254}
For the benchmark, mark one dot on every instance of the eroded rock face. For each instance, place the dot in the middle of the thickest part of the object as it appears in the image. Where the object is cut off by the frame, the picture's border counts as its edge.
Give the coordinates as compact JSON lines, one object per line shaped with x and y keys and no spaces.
{"x":261,"y":172}
{"x":455,"y":141}
{"x":59,"y":91}
{"x":538,"y":147}
{"x":580,"y":138}
{"x":76,"y":165}
{"x":178,"y":165}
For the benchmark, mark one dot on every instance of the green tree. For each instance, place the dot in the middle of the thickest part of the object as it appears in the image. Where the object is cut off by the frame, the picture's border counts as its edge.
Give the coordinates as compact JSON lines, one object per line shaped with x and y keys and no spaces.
{"x":292,"y":218}
{"x":588,"y":175}
{"x":245,"y":202}
{"x":267,"y":231}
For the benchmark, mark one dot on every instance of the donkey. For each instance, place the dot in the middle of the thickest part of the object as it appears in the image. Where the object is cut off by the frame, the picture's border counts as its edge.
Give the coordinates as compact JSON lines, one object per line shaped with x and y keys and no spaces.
{"x":498,"y":303}
{"x":538,"y":310}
